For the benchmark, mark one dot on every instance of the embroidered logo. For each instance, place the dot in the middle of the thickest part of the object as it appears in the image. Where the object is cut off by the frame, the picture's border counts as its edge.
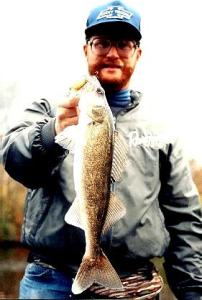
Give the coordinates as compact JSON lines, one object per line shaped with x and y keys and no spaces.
{"x":149,"y":140}
{"x":115,"y":12}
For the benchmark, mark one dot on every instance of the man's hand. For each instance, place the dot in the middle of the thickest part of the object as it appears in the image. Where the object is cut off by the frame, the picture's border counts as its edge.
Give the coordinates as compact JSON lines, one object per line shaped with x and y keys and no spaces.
{"x":67,"y":114}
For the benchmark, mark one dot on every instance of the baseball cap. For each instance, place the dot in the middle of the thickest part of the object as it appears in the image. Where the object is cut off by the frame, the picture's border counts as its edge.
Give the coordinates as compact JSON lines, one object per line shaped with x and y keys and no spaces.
{"x":114,"y":17}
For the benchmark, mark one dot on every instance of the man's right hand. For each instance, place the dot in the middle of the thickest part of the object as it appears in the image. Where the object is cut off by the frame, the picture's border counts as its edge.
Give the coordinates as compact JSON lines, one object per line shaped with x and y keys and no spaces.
{"x":67,"y":114}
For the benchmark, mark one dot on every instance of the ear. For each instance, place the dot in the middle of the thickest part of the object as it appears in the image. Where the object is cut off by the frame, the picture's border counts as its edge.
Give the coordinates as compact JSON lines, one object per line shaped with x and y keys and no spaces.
{"x":138,"y":53}
{"x":85,"y":49}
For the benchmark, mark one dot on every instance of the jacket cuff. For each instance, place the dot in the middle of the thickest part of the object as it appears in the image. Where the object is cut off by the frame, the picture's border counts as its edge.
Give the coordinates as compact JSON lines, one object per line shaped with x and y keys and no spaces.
{"x":48,"y":134}
{"x":45,"y":139}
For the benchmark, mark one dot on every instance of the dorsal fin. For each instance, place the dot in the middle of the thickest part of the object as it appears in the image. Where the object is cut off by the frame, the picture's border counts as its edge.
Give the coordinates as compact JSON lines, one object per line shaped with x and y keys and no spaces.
{"x":119,"y":156}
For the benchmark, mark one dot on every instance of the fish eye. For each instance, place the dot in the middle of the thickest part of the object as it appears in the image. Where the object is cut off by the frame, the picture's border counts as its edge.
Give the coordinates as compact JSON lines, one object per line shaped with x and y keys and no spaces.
{"x":100,"y":91}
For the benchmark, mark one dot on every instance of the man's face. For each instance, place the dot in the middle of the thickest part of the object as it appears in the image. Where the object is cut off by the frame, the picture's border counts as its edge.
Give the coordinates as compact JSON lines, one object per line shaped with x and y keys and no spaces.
{"x":112,"y":60}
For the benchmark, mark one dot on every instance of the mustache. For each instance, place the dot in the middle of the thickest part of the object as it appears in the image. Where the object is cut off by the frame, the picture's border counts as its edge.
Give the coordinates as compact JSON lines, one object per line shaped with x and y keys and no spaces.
{"x":110,"y":63}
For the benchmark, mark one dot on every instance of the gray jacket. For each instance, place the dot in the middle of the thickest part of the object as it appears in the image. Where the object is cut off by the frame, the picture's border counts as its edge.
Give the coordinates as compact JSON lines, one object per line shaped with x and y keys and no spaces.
{"x":163,"y":210}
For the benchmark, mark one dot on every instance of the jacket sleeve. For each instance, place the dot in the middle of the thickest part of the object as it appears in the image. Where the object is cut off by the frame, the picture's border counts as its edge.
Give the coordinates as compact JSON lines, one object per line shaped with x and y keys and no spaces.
{"x":30,"y":154}
{"x":180,"y":204}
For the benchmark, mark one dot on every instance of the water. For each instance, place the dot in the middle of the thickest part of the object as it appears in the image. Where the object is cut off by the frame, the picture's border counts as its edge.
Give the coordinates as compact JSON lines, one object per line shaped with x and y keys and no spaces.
{"x":13,"y":262}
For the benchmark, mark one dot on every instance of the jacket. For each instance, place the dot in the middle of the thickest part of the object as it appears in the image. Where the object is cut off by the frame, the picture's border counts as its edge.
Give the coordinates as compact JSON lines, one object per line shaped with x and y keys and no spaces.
{"x":163,"y":211}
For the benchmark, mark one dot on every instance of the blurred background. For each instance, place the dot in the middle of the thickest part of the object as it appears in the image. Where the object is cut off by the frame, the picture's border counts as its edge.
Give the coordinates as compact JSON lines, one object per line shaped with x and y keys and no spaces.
{"x":41,"y":55}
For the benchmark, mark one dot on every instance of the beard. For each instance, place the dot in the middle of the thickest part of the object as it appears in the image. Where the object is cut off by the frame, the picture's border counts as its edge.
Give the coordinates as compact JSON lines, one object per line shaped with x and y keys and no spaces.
{"x":110,"y":82}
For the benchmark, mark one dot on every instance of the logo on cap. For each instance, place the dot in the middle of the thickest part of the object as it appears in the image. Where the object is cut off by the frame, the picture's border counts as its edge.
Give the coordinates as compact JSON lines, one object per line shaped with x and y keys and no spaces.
{"x":115,"y":12}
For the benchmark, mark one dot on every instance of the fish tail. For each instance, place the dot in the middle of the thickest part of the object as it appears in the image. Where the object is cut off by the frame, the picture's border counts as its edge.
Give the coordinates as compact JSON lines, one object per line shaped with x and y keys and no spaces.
{"x":97,"y":270}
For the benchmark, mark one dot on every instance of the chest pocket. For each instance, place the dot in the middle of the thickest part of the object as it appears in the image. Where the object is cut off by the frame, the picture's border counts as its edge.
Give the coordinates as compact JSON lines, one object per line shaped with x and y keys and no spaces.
{"x":143,"y":162}
{"x":146,"y":159}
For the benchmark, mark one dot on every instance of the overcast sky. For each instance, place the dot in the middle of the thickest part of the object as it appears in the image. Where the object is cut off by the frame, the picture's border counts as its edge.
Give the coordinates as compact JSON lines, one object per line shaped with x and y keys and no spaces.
{"x":41,"y":50}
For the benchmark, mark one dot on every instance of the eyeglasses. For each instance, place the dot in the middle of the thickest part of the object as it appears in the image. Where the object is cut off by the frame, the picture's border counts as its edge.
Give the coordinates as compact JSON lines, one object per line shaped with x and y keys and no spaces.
{"x":102,"y":46}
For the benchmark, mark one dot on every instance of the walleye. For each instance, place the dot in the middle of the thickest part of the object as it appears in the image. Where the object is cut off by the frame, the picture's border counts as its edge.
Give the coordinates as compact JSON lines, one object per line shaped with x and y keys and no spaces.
{"x":96,"y":163}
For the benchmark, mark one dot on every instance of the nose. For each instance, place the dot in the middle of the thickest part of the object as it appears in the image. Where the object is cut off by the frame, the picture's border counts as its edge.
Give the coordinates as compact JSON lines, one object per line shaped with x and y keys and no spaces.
{"x":113,"y":52}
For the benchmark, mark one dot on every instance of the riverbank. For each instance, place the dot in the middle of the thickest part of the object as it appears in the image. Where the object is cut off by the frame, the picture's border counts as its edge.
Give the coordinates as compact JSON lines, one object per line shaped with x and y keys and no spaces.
{"x":12,"y":263}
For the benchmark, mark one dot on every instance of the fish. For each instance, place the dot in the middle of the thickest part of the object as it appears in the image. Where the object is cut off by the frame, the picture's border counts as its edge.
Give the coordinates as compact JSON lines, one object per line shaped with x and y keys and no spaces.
{"x":97,"y":164}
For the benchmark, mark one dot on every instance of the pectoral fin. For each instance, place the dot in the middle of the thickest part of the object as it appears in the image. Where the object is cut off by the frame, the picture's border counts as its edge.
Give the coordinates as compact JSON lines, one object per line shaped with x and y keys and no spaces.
{"x":115,"y":212}
{"x":73,"y":215}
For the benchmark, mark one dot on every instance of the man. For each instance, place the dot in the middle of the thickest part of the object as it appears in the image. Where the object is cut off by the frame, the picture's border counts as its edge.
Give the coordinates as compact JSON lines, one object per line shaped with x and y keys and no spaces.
{"x":163,"y":212}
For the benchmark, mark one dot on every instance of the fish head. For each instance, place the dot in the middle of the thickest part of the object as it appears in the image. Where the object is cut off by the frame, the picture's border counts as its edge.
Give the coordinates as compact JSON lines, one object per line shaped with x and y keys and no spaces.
{"x":93,"y":104}
{"x":92,"y":94}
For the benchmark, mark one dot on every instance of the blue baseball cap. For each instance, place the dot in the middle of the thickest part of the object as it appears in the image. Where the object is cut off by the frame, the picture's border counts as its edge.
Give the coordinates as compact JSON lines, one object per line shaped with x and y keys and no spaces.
{"x":115,"y":16}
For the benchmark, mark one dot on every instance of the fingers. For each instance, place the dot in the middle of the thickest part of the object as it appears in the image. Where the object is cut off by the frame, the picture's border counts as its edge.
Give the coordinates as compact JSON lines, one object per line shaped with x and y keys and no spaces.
{"x":67,"y":114}
{"x":67,"y":111}
{"x":70,"y":103}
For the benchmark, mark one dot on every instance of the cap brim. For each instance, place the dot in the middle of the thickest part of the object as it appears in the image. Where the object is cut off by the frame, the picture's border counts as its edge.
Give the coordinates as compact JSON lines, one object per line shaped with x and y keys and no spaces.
{"x":115,"y":28}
